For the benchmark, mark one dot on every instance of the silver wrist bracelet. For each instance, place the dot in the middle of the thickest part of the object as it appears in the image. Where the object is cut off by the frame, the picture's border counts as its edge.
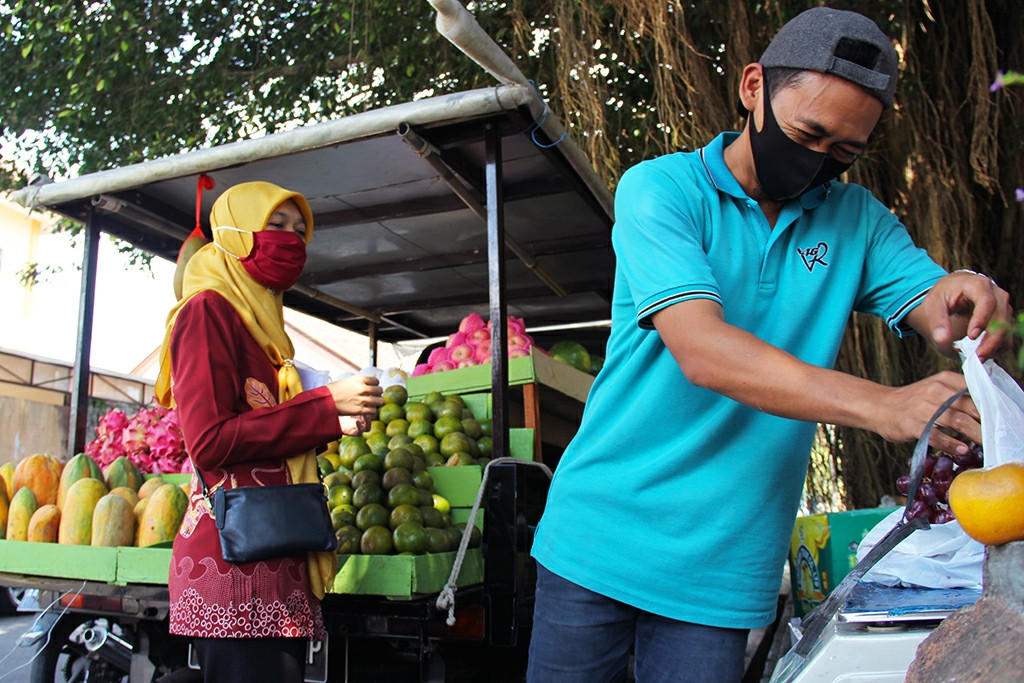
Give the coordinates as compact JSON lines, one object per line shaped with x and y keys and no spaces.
{"x":974,"y":272}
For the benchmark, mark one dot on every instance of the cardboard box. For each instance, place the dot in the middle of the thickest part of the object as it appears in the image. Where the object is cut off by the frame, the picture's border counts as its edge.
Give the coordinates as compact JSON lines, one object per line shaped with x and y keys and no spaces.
{"x":143,"y":565}
{"x":537,"y":367}
{"x":63,"y":561}
{"x":404,"y":576}
{"x":823,"y":550}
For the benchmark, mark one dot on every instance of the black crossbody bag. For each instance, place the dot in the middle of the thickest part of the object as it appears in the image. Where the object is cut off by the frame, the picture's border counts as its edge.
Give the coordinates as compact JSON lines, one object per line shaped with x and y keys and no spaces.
{"x":264,"y":522}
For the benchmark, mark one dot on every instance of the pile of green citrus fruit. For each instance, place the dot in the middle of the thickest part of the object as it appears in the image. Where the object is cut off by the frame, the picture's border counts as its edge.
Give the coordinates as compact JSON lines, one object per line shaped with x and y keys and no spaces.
{"x":380,"y":493}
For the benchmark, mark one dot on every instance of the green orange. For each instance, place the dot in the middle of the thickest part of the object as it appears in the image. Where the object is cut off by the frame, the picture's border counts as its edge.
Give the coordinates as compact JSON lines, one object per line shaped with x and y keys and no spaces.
{"x":428,"y":443}
{"x":399,"y":457}
{"x":403,"y":494}
{"x":389,"y":412}
{"x":437,"y":540}
{"x":410,"y":537}
{"x":368,"y":461}
{"x":405,"y":513}
{"x":423,"y":480}
{"x":456,"y":442}
{"x":449,"y":408}
{"x":397,"y":426}
{"x":395,"y":476}
{"x":395,"y":393}
{"x":418,"y":411}
{"x":446,"y":425}
{"x":376,"y":540}
{"x":365,"y":477}
{"x":338,"y":494}
{"x":419,"y":428}
{"x":367,"y":494}
{"x":372,"y":515}
{"x":348,"y":539}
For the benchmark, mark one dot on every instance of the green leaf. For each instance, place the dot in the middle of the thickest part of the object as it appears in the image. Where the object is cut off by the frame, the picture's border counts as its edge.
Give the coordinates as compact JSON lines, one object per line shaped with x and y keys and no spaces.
{"x":26,"y":50}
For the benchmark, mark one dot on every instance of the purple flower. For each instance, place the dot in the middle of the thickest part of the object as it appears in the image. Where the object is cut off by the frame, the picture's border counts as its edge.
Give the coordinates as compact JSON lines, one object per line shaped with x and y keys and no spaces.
{"x":998,"y":83}
{"x":1019,"y":194}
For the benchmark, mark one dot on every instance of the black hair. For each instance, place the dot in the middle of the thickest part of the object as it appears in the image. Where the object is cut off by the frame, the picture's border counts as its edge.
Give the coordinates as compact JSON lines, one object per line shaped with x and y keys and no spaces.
{"x":776,"y":78}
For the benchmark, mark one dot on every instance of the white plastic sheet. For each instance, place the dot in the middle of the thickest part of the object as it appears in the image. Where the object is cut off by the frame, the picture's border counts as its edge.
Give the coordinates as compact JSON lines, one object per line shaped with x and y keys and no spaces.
{"x":943,"y":556}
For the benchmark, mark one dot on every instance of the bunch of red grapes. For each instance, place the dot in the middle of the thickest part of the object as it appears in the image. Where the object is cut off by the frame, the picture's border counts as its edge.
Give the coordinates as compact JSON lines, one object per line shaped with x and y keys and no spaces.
{"x":940,"y":469}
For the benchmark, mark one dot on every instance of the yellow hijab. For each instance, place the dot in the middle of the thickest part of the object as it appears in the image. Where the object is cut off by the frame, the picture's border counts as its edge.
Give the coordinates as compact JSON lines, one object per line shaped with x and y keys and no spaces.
{"x":245,"y":209}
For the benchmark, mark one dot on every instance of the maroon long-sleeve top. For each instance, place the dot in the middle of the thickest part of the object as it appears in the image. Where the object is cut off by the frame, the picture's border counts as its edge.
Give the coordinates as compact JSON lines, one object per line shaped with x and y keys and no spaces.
{"x":237,"y":435}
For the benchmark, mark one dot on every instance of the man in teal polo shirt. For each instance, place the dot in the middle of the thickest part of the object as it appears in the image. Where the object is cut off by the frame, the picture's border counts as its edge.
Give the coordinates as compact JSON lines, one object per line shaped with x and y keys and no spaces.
{"x":738,"y":266}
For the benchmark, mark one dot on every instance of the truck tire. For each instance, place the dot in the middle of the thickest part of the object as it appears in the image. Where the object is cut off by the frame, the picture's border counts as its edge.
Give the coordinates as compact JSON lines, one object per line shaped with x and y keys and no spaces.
{"x":10,"y":598}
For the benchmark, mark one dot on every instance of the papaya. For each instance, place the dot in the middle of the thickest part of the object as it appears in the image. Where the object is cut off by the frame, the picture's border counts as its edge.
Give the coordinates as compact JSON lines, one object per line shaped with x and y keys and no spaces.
{"x":41,"y":473}
{"x":5,"y":504}
{"x":162,"y":515}
{"x":128,"y":493}
{"x":44,"y":524}
{"x":150,"y":485}
{"x":113,"y":521}
{"x":193,"y":243}
{"x":78,"y":467}
{"x":76,"y":517}
{"x":7,"y":473}
{"x":23,"y":506}
{"x":140,"y":509}
{"x":123,"y":472}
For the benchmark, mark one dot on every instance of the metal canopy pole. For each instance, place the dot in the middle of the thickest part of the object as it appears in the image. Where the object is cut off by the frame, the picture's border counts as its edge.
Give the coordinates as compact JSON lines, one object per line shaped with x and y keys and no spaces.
{"x":83,"y":351}
{"x":497,"y":291}
{"x":371,"y":336}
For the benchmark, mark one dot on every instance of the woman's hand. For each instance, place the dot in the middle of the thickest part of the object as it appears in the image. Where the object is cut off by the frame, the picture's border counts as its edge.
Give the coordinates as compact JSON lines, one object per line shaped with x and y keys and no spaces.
{"x":354,"y":426}
{"x":356,"y":395}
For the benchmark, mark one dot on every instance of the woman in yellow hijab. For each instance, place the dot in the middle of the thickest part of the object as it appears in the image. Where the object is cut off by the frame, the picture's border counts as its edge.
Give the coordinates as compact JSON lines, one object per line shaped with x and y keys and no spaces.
{"x":227,"y":365}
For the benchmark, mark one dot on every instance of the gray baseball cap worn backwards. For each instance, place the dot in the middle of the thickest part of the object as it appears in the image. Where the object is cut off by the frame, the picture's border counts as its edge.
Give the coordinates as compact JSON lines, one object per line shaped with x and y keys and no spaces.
{"x":840,"y":43}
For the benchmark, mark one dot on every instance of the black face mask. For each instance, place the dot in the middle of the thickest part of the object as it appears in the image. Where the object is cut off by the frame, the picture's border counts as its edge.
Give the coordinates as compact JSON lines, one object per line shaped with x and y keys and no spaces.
{"x":786,"y":169}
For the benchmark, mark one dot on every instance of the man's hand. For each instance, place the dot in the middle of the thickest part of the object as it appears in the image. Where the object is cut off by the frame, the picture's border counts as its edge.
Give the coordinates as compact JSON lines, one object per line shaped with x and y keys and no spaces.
{"x":963,"y":304}
{"x":723,"y":358}
{"x":901,"y":413}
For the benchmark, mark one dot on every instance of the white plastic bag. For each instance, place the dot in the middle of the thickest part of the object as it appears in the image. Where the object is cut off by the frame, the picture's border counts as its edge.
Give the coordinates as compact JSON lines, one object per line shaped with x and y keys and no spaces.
{"x":942,"y":556}
{"x":311,"y":377}
{"x":1000,"y":401}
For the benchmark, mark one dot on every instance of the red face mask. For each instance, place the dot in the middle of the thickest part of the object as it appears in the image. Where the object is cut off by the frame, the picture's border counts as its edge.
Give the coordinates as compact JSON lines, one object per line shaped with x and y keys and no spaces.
{"x":277,"y":258}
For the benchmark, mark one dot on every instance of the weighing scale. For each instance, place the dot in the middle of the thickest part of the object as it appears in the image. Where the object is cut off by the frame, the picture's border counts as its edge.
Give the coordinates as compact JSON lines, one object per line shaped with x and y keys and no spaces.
{"x":874,"y":636}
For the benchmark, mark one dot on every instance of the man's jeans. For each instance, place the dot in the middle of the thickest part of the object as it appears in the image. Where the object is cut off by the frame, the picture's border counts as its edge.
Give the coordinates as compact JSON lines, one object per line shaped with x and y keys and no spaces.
{"x":582,"y":637}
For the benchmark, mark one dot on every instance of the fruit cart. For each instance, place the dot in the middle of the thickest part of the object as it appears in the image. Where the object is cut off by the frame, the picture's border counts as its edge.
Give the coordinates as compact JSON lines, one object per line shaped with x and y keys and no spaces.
{"x":426,"y":211}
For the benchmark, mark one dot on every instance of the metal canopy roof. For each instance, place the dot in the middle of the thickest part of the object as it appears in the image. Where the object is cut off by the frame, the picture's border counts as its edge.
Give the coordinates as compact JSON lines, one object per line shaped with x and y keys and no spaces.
{"x":397,"y":194}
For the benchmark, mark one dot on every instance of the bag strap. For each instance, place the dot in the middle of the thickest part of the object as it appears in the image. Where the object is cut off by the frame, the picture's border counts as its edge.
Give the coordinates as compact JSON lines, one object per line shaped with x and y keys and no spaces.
{"x":207,"y":490}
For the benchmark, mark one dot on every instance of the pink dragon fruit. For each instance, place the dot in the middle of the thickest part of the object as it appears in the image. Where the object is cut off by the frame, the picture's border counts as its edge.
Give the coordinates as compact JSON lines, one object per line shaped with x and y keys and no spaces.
{"x":151,"y":439}
{"x":483,"y":352}
{"x":442,"y":366}
{"x":471,"y":322}
{"x":460,"y":353}
{"x":437,"y":355}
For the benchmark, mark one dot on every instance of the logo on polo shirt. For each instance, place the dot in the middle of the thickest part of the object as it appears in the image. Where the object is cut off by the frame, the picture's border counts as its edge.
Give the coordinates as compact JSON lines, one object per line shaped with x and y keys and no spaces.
{"x":813,"y":256}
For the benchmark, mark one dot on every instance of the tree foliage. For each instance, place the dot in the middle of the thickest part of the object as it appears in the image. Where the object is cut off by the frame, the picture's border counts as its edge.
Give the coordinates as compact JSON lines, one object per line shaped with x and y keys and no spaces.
{"x":90,"y":85}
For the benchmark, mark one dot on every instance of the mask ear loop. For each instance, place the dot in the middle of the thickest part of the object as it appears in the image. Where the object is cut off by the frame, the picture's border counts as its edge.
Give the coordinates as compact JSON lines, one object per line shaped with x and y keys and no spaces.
{"x":227,"y":227}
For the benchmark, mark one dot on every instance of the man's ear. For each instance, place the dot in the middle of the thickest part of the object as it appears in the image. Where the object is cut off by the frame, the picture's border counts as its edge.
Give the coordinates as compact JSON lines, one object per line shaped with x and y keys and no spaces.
{"x":751,"y":86}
